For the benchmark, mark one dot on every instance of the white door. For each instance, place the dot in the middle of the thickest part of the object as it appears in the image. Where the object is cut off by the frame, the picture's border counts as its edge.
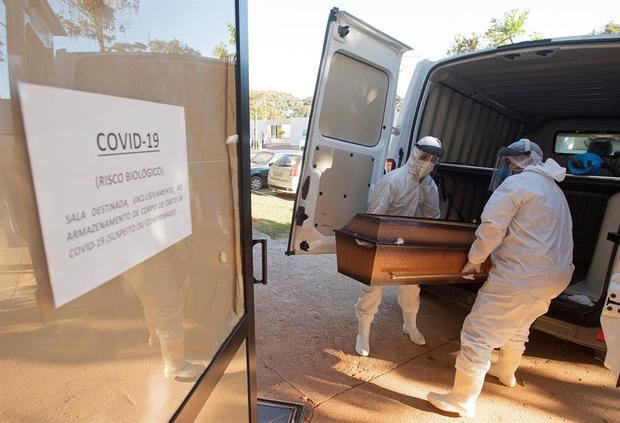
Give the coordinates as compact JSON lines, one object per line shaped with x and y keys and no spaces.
{"x":610,"y":317}
{"x":349,"y":130}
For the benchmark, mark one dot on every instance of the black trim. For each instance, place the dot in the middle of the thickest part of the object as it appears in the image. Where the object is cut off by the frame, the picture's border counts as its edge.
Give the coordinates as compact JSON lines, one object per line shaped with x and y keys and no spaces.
{"x":245,"y":204}
{"x":530,"y":43}
{"x":207,"y":382}
{"x":297,"y":409}
{"x":435,"y":151}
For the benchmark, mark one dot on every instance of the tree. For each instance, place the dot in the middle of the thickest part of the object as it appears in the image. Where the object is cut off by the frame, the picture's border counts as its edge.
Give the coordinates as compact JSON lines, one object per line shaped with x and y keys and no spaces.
{"x":98,"y":20}
{"x":462,"y":44}
{"x":224,"y":51}
{"x":610,"y":28}
{"x":276,"y":105}
{"x":306,"y":103}
{"x":507,"y":30}
{"x":536,"y":36}
{"x":173,"y":46}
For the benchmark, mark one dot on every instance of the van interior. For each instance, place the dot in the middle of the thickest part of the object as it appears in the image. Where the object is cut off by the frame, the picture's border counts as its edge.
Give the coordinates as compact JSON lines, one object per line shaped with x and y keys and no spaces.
{"x":562,"y":98}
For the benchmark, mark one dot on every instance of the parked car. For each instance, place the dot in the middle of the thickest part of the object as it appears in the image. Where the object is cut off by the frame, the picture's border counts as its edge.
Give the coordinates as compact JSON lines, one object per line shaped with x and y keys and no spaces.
{"x":560,"y":93}
{"x":284,"y":173}
{"x":259,"y":167}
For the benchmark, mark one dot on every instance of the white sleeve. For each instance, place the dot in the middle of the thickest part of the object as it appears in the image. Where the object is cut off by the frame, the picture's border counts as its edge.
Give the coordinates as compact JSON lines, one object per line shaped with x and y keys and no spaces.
{"x":381,"y":198}
{"x":496,"y":216}
{"x":429,"y":200}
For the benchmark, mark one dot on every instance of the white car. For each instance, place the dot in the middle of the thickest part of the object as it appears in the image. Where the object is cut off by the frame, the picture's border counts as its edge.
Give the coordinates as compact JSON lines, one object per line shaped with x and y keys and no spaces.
{"x":284,"y":173}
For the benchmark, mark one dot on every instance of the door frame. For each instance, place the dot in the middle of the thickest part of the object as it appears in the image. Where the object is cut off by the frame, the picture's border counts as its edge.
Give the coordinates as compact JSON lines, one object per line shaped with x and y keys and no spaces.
{"x":244,"y":330}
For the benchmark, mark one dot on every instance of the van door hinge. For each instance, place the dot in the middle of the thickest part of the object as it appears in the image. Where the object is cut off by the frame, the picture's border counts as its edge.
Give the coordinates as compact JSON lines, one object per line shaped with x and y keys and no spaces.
{"x":395,"y":130}
{"x":300,"y":215}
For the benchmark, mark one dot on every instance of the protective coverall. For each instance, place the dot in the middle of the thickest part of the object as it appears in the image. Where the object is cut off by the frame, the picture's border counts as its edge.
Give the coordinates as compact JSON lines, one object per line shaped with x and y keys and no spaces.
{"x":399,"y":193}
{"x":527,"y":230}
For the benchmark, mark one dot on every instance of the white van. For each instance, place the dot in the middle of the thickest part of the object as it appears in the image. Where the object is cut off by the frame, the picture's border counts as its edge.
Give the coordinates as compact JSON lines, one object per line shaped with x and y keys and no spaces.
{"x":557,"y":92}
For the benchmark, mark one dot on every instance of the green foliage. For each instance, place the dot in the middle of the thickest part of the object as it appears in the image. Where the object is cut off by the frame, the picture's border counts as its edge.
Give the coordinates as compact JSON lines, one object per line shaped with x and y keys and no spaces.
{"x":536,"y":36}
{"x":276,"y":105}
{"x":225,"y":51}
{"x":271,"y":215}
{"x":98,"y":20}
{"x":463,"y":44}
{"x":507,"y":30}
{"x":610,"y":28}
{"x":173,"y":46}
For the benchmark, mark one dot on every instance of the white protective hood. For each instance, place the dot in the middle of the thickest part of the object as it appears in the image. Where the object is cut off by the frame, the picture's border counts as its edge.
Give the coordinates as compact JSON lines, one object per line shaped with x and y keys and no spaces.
{"x":550,"y":168}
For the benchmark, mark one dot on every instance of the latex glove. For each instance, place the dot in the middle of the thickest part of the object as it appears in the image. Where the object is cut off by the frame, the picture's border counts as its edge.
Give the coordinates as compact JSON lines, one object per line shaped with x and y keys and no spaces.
{"x":469,"y":269}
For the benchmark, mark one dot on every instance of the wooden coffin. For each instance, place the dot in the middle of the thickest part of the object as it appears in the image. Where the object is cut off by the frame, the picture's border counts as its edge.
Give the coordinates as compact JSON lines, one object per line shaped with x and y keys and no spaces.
{"x":392,"y":250}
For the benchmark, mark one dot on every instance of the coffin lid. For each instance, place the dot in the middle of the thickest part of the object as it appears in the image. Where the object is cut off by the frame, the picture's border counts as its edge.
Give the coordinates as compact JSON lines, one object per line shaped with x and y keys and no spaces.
{"x":398,"y":230}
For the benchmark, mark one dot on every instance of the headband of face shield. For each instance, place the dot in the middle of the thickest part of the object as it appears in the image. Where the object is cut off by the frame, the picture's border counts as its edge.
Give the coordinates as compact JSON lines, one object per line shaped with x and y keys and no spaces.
{"x":520,"y":154}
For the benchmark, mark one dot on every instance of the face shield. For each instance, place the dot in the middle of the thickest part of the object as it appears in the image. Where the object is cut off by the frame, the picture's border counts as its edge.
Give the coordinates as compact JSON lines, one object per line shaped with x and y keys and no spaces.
{"x":514,"y":159}
{"x":507,"y":159}
{"x":423,"y":163}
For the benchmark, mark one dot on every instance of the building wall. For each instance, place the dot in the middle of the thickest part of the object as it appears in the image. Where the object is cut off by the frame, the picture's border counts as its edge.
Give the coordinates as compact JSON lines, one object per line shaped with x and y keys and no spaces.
{"x":297,"y":130}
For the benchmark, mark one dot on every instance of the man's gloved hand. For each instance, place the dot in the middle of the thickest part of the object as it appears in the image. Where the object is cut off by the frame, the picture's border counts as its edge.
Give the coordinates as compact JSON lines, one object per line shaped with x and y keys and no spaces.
{"x":469,"y":269}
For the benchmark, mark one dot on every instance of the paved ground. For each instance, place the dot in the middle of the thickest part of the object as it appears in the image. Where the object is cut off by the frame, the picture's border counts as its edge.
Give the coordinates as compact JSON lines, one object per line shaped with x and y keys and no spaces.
{"x":306,"y":332}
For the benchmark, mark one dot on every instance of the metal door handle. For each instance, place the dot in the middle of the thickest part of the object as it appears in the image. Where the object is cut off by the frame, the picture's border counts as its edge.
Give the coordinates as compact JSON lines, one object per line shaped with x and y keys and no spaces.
{"x":263,"y":243}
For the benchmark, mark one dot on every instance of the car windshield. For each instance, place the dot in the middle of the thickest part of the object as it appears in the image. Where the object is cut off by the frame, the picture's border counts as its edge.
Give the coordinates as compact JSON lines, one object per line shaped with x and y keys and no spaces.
{"x":262,"y":158}
{"x":288,"y":160}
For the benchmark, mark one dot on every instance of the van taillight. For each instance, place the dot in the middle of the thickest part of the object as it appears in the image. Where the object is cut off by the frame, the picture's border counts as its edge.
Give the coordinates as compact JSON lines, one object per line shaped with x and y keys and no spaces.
{"x":294,"y":171}
{"x":390,"y":164}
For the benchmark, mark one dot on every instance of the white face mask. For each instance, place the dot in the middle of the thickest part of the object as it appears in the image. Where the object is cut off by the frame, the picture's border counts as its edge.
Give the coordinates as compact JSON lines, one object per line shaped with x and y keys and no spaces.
{"x":423,"y":168}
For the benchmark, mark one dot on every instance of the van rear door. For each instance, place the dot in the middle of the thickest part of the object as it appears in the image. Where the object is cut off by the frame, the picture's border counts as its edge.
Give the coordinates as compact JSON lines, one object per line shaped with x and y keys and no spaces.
{"x":610,"y":317}
{"x":348,"y":132}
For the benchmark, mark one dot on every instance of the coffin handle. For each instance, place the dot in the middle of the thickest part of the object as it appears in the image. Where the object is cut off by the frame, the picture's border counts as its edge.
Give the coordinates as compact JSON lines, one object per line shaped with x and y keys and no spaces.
{"x":364,"y":244}
{"x":401,"y":276}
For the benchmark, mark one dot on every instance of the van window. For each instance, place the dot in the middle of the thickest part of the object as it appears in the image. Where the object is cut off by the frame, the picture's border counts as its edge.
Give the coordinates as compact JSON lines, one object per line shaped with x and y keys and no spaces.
{"x":604,"y":144}
{"x":354,"y":101}
{"x":262,"y":158}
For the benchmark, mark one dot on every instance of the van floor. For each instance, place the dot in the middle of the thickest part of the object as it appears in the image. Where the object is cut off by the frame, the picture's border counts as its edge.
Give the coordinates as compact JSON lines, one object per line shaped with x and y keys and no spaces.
{"x":305,"y":334}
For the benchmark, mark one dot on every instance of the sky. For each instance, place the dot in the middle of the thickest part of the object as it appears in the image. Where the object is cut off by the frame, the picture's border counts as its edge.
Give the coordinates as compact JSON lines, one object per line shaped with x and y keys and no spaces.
{"x":286,"y":36}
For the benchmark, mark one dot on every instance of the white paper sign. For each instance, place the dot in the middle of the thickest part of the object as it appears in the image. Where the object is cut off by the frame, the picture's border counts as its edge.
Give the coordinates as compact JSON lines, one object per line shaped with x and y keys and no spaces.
{"x":110,"y":176}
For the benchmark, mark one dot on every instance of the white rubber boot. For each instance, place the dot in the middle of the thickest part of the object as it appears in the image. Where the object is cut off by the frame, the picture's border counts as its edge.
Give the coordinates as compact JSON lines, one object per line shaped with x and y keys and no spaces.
{"x":362,"y":343}
{"x":175,"y":365}
{"x":410,"y":328}
{"x":504,"y":369}
{"x":462,"y":398}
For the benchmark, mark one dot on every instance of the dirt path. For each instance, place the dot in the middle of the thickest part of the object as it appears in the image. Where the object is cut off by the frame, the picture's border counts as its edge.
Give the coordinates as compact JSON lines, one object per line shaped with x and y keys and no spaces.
{"x":306,"y":330}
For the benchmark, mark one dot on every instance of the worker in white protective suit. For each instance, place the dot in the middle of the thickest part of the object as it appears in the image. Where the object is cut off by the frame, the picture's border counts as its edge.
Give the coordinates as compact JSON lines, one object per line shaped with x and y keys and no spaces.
{"x":527,"y":230}
{"x":406,"y":191}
